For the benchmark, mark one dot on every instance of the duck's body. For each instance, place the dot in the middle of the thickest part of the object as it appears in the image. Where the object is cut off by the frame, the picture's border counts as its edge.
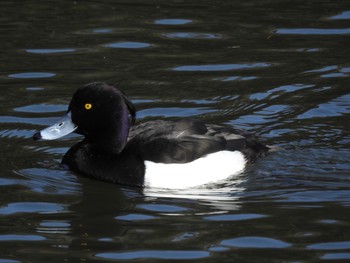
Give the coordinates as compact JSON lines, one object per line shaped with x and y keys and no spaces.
{"x":155,"y":153}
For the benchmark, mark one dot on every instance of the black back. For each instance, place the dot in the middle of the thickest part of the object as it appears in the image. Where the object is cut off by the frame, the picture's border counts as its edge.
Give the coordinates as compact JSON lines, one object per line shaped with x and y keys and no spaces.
{"x":188,"y":139}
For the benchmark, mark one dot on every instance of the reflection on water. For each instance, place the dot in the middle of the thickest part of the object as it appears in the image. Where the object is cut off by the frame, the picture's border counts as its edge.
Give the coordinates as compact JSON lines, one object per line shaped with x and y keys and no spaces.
{"x":54,"y":227}
{"x":155,"y":254}
{"x":342,"y":15}
{"x":45,"y":181}
{"x":277,"y":69}
{"x":313,"y":31}
{"x":32,"y":75}
{"x":21,"y":238}
{"x":127,"y":45}
{"x":28,"y":207}
{"x":51,"y":50}
{"x":220,"y":67}
{"x":255,"y":242}
{"x":192,"y":35}
{"x":172,"y":21}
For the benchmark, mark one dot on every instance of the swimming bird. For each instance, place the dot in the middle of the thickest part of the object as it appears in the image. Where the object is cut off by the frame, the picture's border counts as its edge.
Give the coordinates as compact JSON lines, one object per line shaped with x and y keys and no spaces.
{"x":172,"y":154}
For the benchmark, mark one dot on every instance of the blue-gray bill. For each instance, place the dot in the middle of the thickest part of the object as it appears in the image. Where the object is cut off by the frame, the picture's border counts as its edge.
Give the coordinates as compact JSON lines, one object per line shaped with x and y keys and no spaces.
{"x":58,"y":130}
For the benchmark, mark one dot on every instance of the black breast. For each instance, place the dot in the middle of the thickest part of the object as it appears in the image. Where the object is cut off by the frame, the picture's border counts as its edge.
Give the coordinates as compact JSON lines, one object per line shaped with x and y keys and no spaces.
{"x":125,"y":168}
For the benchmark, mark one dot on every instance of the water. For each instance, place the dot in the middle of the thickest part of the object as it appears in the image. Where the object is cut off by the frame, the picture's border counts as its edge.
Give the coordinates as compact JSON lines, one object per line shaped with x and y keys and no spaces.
{"x":277,"y":68}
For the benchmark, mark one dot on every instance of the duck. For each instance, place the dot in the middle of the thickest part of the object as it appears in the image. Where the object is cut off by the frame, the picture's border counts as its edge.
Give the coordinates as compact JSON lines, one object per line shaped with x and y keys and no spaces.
{"x":169,"y":154}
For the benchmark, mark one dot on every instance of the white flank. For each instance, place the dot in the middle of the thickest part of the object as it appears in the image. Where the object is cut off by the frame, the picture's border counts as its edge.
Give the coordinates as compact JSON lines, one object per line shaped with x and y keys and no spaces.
{"x":211,"y":168}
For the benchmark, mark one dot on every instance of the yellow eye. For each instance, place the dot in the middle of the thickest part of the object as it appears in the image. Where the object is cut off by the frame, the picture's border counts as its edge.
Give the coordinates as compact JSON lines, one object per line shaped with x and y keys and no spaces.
{"x":88,"y":106}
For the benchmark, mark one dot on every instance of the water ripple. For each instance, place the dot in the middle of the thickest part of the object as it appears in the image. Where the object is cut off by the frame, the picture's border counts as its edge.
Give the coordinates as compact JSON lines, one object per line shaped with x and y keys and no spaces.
{"x":192,"y":35}
{"x":323,"y":69}
{"x":54,"y":227}
{"x":269,"y":114}
{"x":32,"y":75}
{"x":314,"y":196}
{"x":31,"y":207}
{"x":280,"y":90}
{"x":173,"y":112}
{"x":174,"y":21}
{"x":221,"y":67}
{"x":155,"y":254}
{"x":342,"y":15}
{"x":162,"y":208}
{"x":336,"y":256}
{"x":102,"y":30}
{"x":40,"y":108}
{"x":333,"y":108}
{"x":16,"y":133}
{"x":40,"y":121}
{"x":51,"y":50}
{"x":135,"y":217}
{"x":233,"y":217}
{"x":129,"y":44}
{"x":50,"y":181}
{"x":313,"y":31}
{"x":6,"y":260}
{"x":15,"y":237}
{"x":254,"y":242}
{"x":330,"y":245}
{"x":237,"y":78}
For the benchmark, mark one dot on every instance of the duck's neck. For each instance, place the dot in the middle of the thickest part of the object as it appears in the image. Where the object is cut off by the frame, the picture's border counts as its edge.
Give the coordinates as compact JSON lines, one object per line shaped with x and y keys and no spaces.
{"x":112,"y":140}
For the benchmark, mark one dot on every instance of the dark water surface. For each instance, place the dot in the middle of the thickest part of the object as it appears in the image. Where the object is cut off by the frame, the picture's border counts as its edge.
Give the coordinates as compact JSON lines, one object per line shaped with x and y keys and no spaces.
{"x":280,"y":69}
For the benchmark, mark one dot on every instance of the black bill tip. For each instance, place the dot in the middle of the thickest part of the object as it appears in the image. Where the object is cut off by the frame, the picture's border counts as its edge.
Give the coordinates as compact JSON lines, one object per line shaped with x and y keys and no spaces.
{"x":37,"y":136}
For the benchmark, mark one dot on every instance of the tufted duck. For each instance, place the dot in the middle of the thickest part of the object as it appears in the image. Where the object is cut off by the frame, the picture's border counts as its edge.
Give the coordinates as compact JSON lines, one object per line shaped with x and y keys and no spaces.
{"x":167,"y":154}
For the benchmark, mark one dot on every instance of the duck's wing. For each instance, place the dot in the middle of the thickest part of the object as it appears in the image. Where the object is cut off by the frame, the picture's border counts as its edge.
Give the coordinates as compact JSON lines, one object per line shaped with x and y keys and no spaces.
{"x":180,"y":150}
{"x":189,"y":139}
{"x":239,"y":140}
{"x":167,"y":129}
{"x":174,"y":141}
